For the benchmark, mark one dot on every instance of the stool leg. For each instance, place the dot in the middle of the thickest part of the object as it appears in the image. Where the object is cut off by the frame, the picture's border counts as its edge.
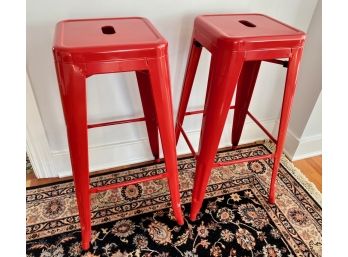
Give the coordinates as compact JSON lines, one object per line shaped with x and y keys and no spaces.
{"x":144,"y":84}
{"x":245,"y":88}
{"x":191,"y":68}
{"x":76,"y":122}
{"x":160,"y":81}
{"x":224,"y":71}
{"x":289,"y":92}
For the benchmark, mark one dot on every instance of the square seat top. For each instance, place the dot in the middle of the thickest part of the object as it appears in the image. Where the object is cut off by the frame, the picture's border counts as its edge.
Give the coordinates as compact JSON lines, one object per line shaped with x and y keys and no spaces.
{"x":106,"y":34}
{"x":246,"y":27}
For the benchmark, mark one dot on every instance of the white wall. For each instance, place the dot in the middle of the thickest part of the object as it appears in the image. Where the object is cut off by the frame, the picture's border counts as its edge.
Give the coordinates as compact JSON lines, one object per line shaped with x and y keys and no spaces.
{"x":313,"y":126}
{"x":304,"y":135}
{"x":310,"y":142}
{"x":115,"y":96}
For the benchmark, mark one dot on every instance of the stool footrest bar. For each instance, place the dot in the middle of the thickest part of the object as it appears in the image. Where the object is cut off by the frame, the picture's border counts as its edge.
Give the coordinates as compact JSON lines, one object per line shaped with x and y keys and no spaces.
{"x":115,"y":122}
{"x":201,"y":111}
{"x":126,"y":183}
{"x":188,"y":142}
{"x":262,"y":127}
{"x":194,"y":112}
{"x":218,"y":164}
{"x":248,"y":159}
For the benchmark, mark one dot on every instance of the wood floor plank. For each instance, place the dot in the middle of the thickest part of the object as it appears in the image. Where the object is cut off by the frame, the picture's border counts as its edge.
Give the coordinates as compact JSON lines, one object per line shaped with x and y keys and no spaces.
{"x":312,"y":169}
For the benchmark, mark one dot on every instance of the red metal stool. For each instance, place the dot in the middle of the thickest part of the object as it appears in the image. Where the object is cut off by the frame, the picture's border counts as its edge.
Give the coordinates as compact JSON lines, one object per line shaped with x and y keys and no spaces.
{"x":238,"y":43}
{"x":94,"y":46}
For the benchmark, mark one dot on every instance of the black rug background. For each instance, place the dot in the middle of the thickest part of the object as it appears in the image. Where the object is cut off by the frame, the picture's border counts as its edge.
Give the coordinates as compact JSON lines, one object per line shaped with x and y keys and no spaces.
{"x":220,"y":230}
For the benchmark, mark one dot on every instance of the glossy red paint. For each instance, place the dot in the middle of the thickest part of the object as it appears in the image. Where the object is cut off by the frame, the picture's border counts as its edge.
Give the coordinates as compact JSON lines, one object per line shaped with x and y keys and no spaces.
{"x":238,"y":43}
{"x":118,"y":122}
{"x":94,"y":46}
{"x":127,"y":183}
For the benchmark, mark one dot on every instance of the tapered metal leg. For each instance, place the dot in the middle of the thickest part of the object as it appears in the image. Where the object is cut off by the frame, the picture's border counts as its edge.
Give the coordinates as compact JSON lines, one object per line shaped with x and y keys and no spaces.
{"x":225,"y":68}
{"x":191,"y":68}
{"x":245,"y":88}
{"x":73,"y":88}
{"x":159,"y":74}
{"x":289,"y":92}
{"x":144,"y":84}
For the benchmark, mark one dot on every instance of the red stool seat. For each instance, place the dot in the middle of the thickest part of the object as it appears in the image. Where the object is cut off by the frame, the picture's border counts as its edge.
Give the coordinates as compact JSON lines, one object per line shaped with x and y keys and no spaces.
{"x":94,"y":46}
{"x":238,"y":43}
{"x":101,"y":39}
{"x":245,"y":31}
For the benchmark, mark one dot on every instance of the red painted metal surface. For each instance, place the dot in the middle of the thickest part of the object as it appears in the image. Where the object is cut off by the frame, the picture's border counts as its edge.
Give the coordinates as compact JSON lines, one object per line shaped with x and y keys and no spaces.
{"x":238,"y":43}
{"x":94,"y":46}
{"x":110,"y":123}
{"x":248,"y":159}
{"x":245,"y":88}
{"x":192,"y":63}
{"x":200,"y":111}
{"x":262,"y":127}
{"x":126,"y":183}
{"x":188,"y":142}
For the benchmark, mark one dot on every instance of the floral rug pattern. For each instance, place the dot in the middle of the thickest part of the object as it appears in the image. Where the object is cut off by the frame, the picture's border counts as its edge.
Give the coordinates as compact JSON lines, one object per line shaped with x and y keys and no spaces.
{"x":236,"y":219}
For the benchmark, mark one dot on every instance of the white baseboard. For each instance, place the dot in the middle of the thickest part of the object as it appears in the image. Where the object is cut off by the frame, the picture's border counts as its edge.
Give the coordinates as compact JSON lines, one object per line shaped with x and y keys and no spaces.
{"x":297,"y":149}
{"x":309,"y":147}
{"x":36,"y":141}
{"x":107,"y":156}
{"x":134,"y":151}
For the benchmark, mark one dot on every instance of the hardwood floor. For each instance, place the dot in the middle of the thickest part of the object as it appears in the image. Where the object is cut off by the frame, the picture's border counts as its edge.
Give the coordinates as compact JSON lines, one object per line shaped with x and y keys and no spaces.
{"x":33,"y":181}
{"x":311,"y":167}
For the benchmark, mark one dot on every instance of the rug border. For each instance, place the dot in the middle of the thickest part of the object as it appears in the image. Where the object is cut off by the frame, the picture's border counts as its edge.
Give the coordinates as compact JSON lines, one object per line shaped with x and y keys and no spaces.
{"x":298,"y":175}
{"x":269,"y":145}
{"x":141,"y":165}
{"x":286,"y":164}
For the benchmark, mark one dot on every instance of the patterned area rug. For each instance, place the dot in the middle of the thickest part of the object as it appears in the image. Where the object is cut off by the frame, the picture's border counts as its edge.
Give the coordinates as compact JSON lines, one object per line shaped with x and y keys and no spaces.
{"x":236,"y":219}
